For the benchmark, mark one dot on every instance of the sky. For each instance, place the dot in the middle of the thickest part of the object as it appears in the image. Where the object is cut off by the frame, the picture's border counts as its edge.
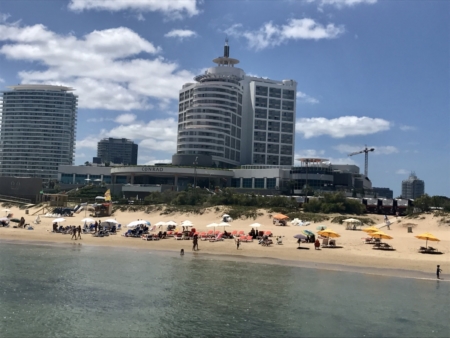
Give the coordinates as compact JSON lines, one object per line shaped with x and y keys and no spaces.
{"x":369,"y":72}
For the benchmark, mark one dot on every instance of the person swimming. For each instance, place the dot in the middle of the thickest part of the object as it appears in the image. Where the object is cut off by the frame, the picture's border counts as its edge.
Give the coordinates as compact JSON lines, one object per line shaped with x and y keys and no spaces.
{"x":182,"y":252}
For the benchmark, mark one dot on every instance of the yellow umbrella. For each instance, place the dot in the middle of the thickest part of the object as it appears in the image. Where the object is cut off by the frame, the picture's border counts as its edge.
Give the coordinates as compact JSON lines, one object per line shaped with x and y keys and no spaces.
{"x":329,"y":233}
{"x":371,"y":229}
{"x":428,"y":237}
{"x":379,"y":234}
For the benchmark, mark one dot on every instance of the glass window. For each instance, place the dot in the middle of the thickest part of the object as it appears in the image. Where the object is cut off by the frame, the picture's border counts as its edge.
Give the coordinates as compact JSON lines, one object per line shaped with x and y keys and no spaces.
{"x":259,"y":183}
{"x":259,"y":147}
{"x":259,"y":159}
{"x":259,"y":136}
{"x":285,"y":138}
{"x":288,"y":94}
{"x":286,"y":150}
{"x":273,"y":148}
{"x":275,"y":92}
{"x":247,"y":183}
{"x":287,"y":127}
{"x":274,"y":126}
{"x":259,"y":124}
{"x":288,"y":116}
{"x":288,"y":105}
{"x":236,"y":182}
{"x":285,"y":160}
{"x":273,"y":137}
{"x":274,"y":115}
{"x":262,"y":91}
{"x":121,"y":179}
{"x":261,"y":113}
{"x":271,"y":183}
{"x":271,"y":159}
{"x":261,"y":102}
{"x":274,"y":103}
{"x":107,"y":179}
{"x":80,"y":179}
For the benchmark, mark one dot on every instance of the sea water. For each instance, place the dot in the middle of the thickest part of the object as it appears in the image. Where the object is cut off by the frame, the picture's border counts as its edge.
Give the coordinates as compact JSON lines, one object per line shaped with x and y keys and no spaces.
{"x":81,"y":291}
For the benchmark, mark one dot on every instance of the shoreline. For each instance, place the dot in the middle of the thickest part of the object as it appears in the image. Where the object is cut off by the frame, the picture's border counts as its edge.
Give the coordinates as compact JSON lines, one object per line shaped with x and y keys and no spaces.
{"x":349,"y":268}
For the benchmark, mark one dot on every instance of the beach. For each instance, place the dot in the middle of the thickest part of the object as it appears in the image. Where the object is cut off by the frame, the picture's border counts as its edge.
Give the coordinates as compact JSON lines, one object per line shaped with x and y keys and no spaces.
{"x":353,"y":254}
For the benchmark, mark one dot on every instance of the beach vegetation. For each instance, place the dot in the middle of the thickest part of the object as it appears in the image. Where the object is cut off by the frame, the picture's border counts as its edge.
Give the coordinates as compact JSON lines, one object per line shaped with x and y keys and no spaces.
{"x":334,"y":203}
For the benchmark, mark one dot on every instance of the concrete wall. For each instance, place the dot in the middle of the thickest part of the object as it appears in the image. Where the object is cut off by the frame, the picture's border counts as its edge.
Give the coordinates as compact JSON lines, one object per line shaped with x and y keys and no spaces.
{"x":21,"y":187}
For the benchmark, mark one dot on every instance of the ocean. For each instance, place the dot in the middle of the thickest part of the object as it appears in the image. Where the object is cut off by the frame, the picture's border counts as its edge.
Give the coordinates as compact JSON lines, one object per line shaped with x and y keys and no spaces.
{"x":82,"y":291}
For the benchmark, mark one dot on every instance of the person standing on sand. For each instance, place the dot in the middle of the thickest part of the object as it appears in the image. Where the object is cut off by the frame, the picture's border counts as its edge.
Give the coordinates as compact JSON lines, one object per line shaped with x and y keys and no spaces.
{"x":95,"y":227}
{"x":238,"y":242}
{"x":195,"y":243}
{"x":438,"y":272}
{"x":74,"y":232}
{"x":79,"y":231}
{"x":317,"y":244}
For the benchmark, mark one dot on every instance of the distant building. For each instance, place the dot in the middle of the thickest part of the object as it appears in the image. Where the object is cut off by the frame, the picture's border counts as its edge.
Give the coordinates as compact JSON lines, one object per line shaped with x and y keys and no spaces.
{"x":227,"y":118}
{"x":383,"y":192}
{"x":37,"y":134}
{"x":412,"y":187}
{"x":117,"y":150}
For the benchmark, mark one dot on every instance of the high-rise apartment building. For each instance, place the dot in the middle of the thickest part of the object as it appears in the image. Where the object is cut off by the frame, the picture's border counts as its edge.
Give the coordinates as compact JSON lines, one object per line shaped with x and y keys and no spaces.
{"x":38,"y":127}
{"x":412,"y":187}
{"x":227,"y":118}
{"x":118,"y":151}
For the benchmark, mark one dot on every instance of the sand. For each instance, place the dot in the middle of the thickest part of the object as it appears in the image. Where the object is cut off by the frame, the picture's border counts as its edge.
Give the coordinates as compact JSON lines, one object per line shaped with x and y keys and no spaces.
{"x":353,"y":254}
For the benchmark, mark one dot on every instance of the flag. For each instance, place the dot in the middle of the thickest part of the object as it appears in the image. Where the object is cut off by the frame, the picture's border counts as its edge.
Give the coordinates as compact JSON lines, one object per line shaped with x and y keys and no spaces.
{"x":108,"y":195}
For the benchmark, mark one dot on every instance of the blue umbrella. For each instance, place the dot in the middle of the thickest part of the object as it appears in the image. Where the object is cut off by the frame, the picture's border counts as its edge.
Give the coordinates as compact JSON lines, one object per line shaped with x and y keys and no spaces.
{"x":300,"y":236}
{"x":308,"y":233}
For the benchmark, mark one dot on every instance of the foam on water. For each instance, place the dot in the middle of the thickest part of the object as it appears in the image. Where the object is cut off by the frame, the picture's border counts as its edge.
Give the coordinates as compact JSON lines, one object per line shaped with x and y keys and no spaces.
{"x":57,"y":291}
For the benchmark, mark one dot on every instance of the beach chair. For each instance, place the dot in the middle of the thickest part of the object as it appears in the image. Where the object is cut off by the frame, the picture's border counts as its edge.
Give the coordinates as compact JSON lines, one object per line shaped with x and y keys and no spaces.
{"x":325,"y":243}
{"x":241,"y":233}
{"x":203,"y":236}
{"x":249,"y":238}
{"x":279,"y":240}
{"x":218,"y":238}
{"x":234,"y":233}
{"x":332,"y":242}
{"x":178,"y":236}
{"x":243,"y":239}
{"x":268,"y":233}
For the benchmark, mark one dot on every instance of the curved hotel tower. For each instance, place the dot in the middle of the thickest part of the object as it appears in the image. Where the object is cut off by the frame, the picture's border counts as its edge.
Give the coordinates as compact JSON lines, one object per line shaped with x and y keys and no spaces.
{"x":228,"y":118}
{"x":37,"y":130}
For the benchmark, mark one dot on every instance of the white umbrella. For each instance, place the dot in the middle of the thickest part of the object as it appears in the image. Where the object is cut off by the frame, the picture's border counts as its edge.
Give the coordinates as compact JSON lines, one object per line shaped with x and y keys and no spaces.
{"x":171,"y":223}
{"x":226,"y":215}
{"x":4,"y":219}
{"x":212,"y":225}
{"x":88,"y":220}
{"x":59,"y":220}
{"x":134,"y":224}
{"x":255,"y":225}
{"x":351,"y":220}
{"x":111,"y":221}
{"x":186,"y":222}
{"x":160,"y":223}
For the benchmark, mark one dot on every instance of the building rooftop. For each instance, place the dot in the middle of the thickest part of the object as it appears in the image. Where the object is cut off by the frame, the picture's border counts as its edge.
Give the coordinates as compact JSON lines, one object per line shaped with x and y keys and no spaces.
{"x":41,"y":87}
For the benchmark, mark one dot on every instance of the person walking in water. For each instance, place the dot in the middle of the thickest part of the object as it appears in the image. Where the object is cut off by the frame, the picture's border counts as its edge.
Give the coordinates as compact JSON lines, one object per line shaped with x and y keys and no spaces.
{"x":79,"y":231}
{"x":438,"y":272}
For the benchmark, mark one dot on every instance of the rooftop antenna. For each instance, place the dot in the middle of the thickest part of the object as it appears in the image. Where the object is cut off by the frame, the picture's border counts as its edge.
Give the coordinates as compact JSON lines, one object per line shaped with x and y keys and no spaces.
{"x":226,"y":49}
{"x":366,"y":164}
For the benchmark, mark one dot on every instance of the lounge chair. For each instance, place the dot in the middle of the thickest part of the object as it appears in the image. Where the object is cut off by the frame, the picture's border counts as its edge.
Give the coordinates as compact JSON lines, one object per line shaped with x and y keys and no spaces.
{"x":234,"y":233}
{"x":218,"y":238}
{"x":178,"y":236}
{"x":279,"y":240}
{"x":266,"y":242}
{"x":241,"y":233}
{"x":332,"y":242}
{"x":325,"y":243}
{"x":268,"y":233}
{"x":249,"y":238}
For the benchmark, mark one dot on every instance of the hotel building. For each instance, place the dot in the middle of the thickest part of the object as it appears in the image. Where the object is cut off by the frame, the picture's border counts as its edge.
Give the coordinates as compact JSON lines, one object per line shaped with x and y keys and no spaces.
{"x":227,"y":118}
{"x":38,"y":124}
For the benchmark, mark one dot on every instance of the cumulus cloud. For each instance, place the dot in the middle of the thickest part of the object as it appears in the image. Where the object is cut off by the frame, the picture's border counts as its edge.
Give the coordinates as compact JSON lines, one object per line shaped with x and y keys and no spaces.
{"x":309,"y":153}
{"x":174,"y":9}
{"x":4,"y":17}
{"x":302,"y":97}
{"x":402,"y":172}
{"x":109,"y":69}
{"x":379,"y":150}
{"x":180,"y":34}
{"x":342,"y":3}
{"x":340,"y":127}
{"x":89,"y":142}
{"x":153,"y":162}
{"x":125,"y":118}
{"x":271,"y":35}
{"x":1,"y":80}
{"x":406,"y":128}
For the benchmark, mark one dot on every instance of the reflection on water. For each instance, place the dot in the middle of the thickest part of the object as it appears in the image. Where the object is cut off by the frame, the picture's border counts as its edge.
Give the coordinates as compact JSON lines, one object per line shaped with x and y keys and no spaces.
{"x":80,"y":291}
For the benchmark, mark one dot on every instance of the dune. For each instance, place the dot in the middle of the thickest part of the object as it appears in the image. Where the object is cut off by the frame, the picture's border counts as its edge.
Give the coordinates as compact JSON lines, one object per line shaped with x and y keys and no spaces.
{"x":354,"y":252}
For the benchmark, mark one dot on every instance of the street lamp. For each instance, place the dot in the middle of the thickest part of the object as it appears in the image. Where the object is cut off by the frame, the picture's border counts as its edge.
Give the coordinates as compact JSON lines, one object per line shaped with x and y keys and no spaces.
{"x":195,"y":172}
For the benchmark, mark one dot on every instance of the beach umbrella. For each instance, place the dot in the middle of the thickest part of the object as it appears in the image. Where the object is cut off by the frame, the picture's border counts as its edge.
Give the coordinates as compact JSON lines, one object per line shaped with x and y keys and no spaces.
{"x":171,"y":223}
{"x":351,"y":220}
{"x":111,"y":221}
{"x":300,"y":236}
{"x":160,"y":223}
{"x":255,"y":225}
{"x":320,"y":227}
{"x":370,"y":229}
{"x":15,"y":220}
{"x":427,"y":237}
{"x":380,"y":235}
{"x":280,"y":216}
{"x":212,"y":225}
{"x":4,"y":219}
{"x":87,"y":220}
{"x":329,"y":233}
{"x":308,"y":233}
{"x":6,"y":210}
{"x":134,"y":224}
{"x":59,"y":220}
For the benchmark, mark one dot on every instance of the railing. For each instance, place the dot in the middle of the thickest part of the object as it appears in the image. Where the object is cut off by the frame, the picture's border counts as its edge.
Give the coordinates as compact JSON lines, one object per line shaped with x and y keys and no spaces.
{"x":15,"y":199}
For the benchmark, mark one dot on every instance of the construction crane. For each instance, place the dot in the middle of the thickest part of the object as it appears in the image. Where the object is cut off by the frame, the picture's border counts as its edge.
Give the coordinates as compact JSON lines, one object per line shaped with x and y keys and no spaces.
{"x":366,"y":164}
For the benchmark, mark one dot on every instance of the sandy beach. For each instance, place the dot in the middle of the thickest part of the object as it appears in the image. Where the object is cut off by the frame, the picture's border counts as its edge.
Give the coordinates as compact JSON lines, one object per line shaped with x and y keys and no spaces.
{"x":353,"y":254}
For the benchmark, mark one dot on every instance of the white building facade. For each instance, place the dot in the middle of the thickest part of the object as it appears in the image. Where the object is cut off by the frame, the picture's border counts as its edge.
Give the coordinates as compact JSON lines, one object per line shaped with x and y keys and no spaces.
{"x":227,"y":118}
{"x":38,"y":130}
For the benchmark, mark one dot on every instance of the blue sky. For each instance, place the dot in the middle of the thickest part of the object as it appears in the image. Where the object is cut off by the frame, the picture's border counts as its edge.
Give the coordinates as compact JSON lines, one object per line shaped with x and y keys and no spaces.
{"x":368,"y":72}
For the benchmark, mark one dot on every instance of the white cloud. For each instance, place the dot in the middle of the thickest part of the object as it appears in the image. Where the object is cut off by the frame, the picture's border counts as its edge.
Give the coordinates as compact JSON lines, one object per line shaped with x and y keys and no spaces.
{"x":107,"y":68}
{"x":1,"y":80}
{"x":403,"y":172}
{"x":342,"y":160}
{"x":302,"y":97}
{"x":4,"y":17}
{"x":96,"y":120}
{"x":80,"y":155}
{"x":175,"y":9}
{"x":89,"y":142}
{"x":125,"y":118}
{"x":406,"y":128}
{"x":342,"y":3}
{"x":379,"y":150}
{"x":270,"y":35}
{"x":180,"y":33}
{"x":340,"y":127}
{"x":140,"y":17}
